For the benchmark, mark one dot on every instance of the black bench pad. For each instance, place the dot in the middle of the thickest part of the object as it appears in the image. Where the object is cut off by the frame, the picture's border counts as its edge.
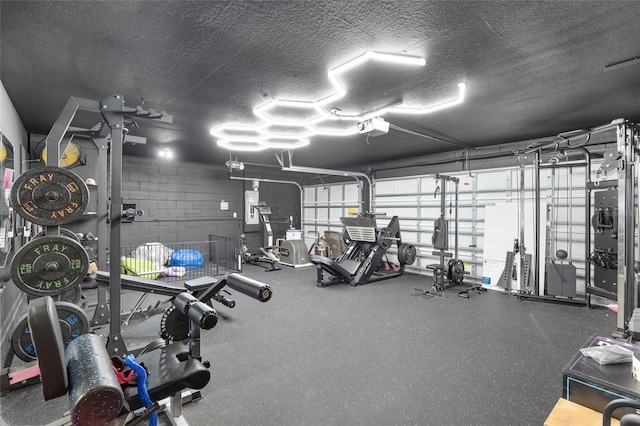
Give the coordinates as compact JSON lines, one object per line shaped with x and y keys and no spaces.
{"x":170,"y":371}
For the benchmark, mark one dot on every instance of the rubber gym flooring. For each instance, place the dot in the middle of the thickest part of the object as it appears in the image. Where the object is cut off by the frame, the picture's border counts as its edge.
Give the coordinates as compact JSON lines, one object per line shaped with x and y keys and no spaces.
{"x":370,"y":355}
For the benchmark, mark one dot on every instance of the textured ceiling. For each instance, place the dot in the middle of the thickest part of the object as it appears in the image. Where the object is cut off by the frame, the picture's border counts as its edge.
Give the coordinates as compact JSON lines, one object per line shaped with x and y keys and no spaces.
{"x":532,"y":69}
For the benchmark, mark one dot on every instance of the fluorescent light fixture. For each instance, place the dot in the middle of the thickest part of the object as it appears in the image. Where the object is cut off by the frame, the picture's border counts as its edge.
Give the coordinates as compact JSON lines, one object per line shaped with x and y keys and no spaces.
{"x":247,"y":146}
{"x":402,"y":109}
{"x":282,"y":142}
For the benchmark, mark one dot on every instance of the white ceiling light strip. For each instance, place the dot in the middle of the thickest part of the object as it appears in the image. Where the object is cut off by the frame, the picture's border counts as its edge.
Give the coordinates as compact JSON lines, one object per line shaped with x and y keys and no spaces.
{"x":262,"y":111}
{"x":239,"y":132}
{"x":335,"y":73}
{"x":317,"y":117}
{"x":245,"y":146}
{"x":402,"y":109}
{"x":283,"y":142}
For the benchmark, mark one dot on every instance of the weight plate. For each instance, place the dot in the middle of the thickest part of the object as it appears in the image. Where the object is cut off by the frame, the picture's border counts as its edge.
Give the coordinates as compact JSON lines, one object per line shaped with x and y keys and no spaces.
{"x":174,"y":325}
{"x":73,"y":295}
{"x":64,"y":232}
{"x":383,"y":238}
{"x":49,"y":266}
{"x":73,"y":323}
{"x":49,"y":196}
{"x":457,"y":271}
{"x":449,"y":269}
{"x":21,"y":341}
{"x":407,"y":254}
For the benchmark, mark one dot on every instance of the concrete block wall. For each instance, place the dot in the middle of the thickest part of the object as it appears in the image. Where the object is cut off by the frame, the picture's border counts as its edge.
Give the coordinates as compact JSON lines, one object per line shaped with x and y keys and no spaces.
{"x":181,"y":201}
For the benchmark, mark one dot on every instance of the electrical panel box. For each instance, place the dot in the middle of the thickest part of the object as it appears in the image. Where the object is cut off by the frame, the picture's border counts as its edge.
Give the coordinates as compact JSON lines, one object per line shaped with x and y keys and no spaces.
{"x":251,"y":199}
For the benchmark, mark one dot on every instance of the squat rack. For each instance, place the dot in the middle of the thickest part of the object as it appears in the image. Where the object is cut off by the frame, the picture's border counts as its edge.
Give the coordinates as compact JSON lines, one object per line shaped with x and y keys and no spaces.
{"x":109,"y":136}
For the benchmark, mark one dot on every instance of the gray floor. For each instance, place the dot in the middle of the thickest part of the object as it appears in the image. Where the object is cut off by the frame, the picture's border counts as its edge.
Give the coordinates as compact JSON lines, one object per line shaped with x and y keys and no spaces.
{"x":371,"y":355}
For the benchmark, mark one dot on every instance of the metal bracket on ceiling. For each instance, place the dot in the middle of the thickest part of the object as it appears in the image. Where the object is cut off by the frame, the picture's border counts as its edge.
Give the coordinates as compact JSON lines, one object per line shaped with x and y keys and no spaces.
{"x":281,"y":159}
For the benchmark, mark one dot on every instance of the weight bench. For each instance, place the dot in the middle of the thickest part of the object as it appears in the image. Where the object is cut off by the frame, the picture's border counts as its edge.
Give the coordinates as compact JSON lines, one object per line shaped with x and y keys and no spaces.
{"x":172,"y":288}
{"x":86,"y":373}
{"x":85,"y":370}
{"x":145,"y":285}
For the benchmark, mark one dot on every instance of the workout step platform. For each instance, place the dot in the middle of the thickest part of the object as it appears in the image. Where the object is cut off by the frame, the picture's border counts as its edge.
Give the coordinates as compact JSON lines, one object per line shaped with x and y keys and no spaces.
{"x":146,"y":285}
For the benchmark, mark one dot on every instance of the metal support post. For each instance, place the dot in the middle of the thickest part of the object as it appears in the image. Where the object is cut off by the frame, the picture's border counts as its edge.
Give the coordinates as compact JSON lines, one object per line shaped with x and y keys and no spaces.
{"x":626,"y":228}
{"x":522,"y":286}
{"x":112,"y":108}
{"x":456,"y":222}
{"x":536,"y":254}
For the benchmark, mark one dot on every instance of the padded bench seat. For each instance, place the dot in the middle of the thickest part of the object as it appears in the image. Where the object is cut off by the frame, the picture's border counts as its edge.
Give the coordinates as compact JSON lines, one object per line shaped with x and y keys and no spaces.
{"x":435,"y":266}
{"x":146,"y":285}
{"x":170,"y":371}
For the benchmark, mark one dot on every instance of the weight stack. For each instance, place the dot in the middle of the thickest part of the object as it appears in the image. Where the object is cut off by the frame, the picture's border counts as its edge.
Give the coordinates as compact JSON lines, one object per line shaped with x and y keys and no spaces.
{"x":561,"y":279}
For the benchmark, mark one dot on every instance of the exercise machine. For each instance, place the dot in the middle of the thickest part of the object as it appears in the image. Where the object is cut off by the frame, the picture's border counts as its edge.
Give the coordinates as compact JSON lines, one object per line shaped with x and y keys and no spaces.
{"x":320,"y":247}
{"x":558,"y":282}
{"x":293,"y":253}
{"x":266,"y":258}
{"x":447,"y":273}
{"x":364,"y":261}
{"x":99,"y":384}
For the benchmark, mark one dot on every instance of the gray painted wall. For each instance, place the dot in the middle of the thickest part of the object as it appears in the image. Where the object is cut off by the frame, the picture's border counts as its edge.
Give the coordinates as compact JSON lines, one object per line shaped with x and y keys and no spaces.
{"x":181,"y":201}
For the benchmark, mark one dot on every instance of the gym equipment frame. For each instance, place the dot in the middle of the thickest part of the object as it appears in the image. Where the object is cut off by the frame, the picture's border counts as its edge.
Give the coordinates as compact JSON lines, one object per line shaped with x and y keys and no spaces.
{"x":362,"y":260}
{"x":174,"y":364}
{"x":452,"y":273}
{"x":554,"y":272}
{"x":623,"y":160}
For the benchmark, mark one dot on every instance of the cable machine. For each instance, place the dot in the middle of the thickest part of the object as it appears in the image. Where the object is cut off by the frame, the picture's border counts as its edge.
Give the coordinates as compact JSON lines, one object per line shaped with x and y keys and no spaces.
{"x":451,"y":273}
{"x":559,"y":282}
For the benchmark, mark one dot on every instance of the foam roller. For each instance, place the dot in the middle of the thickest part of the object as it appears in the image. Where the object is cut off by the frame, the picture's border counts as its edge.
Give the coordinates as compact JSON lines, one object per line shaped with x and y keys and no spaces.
{"x":203,"y":314}
{"x":95,"y":396}
{"x":250,"y":287}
